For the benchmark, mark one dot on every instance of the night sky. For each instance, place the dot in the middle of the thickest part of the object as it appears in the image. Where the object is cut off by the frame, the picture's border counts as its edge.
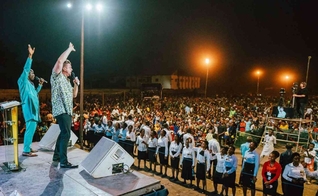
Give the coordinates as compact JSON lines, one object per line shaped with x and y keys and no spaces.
{"x":146,"y":37}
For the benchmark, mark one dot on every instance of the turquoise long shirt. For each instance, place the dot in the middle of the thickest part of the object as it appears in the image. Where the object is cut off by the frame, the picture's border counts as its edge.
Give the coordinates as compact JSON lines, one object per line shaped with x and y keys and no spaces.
{"x":29,"y":95}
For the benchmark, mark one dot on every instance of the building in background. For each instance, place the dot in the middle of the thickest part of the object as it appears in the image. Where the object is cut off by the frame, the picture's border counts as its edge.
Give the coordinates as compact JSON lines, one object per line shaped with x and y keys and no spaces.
{"x":173,"y":81}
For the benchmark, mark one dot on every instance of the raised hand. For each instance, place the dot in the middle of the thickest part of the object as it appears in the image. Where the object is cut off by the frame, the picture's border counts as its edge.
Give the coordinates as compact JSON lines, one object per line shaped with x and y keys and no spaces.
{"x":71,"y":46}
{"x":31,"y":51}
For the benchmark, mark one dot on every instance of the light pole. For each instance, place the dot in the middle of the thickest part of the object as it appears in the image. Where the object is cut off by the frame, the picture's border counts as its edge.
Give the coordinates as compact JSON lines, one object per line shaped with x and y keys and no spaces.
{"x":207,"y":61}
{"x":308,"y":62}
{"x":257,"y":87}
{"x":88,"y":7}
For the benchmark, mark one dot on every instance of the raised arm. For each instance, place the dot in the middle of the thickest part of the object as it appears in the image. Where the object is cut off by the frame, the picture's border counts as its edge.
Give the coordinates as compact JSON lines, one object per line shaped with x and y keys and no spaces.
{"x":59,"y":63}
{"x":27,"y":67}
{"x":31,"y":51}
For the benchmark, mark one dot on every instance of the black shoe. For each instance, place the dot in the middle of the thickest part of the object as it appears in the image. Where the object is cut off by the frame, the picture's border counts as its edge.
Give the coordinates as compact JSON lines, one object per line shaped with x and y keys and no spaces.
{"x":68,"y":165}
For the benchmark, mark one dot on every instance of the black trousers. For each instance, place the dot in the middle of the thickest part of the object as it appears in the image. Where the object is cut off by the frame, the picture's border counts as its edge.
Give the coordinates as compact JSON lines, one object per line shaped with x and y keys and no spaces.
{"x":60,"y":152}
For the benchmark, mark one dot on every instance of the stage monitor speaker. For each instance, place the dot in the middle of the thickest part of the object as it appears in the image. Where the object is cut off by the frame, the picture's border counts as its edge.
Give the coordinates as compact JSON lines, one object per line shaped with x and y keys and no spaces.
{"x":281,"y":112}
{"x":107,"y":158}
{"x":48,"y":141}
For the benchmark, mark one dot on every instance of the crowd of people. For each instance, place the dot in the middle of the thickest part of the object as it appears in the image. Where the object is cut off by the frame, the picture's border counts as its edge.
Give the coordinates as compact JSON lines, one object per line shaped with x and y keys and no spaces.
{"x":193,"y":136}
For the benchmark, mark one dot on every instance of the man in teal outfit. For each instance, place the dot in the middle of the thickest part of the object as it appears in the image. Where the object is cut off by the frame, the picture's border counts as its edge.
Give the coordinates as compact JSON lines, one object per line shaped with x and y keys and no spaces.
{"x":30,"y":103}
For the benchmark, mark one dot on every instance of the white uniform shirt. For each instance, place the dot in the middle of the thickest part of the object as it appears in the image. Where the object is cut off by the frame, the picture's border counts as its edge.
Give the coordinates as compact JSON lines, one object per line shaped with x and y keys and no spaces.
{"x":189,"y":154}
{"x":292,"y":171}
{"x":163,"y":142}
{"x":220,"y":162}
{"x":141,"y":143}
{"x":174,"y":147}
{"x":186,"y":136}
{"x":214,"y":146}
{"x":131,"y":135}
{"x":203,"y":159}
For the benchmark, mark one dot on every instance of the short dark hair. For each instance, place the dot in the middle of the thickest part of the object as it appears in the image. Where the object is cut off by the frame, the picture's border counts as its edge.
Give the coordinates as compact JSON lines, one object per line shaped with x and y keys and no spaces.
{"x":275,"y":153}
{"x":289,"y":146}
{"x":295,"y":154}
{"x":249,"y":139}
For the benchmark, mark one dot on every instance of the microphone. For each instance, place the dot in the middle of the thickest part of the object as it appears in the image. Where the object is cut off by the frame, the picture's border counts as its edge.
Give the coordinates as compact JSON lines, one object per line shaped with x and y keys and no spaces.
{"x":37,"y":78}
{"x":75,"y":77}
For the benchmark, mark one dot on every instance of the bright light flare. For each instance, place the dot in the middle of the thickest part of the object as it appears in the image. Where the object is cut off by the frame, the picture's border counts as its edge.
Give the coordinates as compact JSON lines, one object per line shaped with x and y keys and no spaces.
{"x":69,"y":5}
{"x":258,"y":72}
{"x":207,"y":61}
{"x":99,"y":7}
{"x":89,"y":6}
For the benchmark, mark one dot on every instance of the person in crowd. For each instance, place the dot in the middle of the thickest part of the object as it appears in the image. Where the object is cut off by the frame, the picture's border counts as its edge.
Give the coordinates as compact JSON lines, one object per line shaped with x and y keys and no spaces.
{"x":242,"y":125}
{"x":315,"y":143}
{"x":109,"y":129}
{"x":62,"y":94}
{"x":214,"y":148}
{"x":122,"y":135}
{"x":174,"y":152}
{"x":221,"y":132}
{"x":141,"y":144}
{"x":301,"y":99}
{"x":248,"y":123}
{"x":104,"y":119}
{"x":229,"y":174}
{"x":168,"y":133}
{"x":152,"y":147}
{"x":310,"y":155}
{"x":146,"y":127}
{"x":75,"y":127}
{"x":116,"y":132}
{"x":130,"y":121}
{"x":203,"y":164}
{"x":270,"y":173}
{"x":245,"y":147}
{"x":31,"y":105}
{"x":285,"y":158}
{"x":295,"y":176}
{"x":311,"y":174}
{"x":130,"y":140}
{"x":189,"y":135}
{"x":209,"y":136}
{"x":187,"y":163}
{"x":249,"y":169}
{"x":162,"y":150}
{"x":99,"y":131}
{"x":89,"y":132}
{"x":219,"y":170}
{"x":269,"y":142}
{"x":232,"y":133}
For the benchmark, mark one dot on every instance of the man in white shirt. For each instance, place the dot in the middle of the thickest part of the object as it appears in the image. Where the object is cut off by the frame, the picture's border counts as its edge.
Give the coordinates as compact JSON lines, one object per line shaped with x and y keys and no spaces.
{"x":214,"y":147}
{"x":269,"y":142}
{"x":188,"y":135}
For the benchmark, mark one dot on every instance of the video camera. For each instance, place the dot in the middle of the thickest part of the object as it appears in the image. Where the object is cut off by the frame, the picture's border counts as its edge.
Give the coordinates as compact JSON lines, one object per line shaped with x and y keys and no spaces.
{"x":295,"y":87}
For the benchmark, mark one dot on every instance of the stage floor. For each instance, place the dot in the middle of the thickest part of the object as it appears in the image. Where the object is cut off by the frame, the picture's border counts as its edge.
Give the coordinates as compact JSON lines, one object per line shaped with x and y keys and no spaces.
{"x":40,"y":176}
